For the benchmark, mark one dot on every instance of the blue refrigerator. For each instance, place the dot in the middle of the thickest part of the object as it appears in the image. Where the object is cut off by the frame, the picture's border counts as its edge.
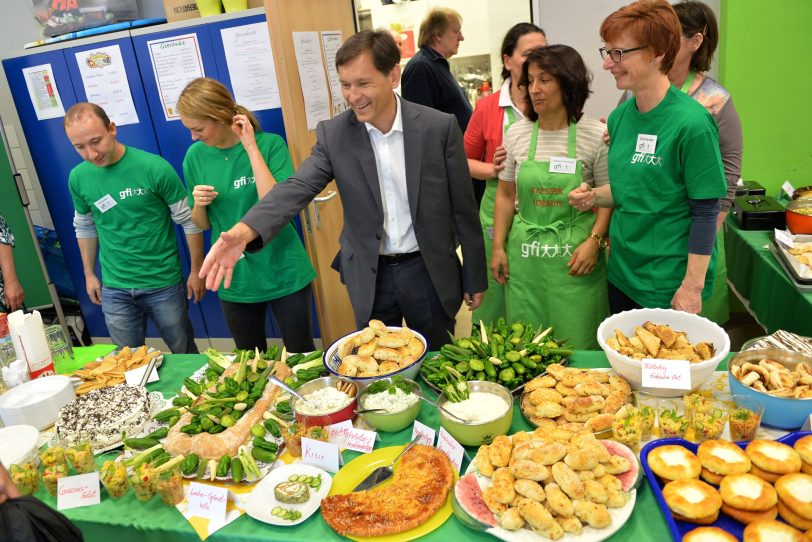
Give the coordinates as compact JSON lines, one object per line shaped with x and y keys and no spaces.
{"x":54,"y":157}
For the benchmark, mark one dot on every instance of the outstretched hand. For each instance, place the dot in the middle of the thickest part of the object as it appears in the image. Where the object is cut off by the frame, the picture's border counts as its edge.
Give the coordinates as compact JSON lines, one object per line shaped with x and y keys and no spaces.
{"x":221,"y":259}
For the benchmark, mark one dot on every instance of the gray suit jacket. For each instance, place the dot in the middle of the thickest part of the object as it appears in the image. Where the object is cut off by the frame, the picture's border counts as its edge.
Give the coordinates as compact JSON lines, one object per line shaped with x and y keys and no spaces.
{"x":441,"y":201}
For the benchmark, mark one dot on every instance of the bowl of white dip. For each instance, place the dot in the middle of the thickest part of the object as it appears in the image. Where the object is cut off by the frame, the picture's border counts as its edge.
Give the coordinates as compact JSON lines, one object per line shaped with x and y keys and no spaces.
{"x":325,"y":404}
{"x":488,"y":411}
{"x":398,"y":409}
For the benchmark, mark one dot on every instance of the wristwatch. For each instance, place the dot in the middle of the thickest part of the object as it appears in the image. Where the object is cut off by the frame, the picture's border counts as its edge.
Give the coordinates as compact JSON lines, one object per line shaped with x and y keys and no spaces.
{"x":600,"y":239}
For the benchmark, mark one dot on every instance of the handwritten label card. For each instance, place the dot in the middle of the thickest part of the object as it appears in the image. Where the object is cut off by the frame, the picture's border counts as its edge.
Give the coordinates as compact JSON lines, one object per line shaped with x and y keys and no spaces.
{"x":338,"y":433}
{"x":425,"y":433}
{"x":320,"y":454}
{"x":450,"y":447}
{"x":785,"y":238}
{"x":76,"y":491}
{"x":673,"y":373}
{"x":207,"y":501}
{"x":361,"y":440}
{"x":787,"y":188}
{"x":134,"y":377}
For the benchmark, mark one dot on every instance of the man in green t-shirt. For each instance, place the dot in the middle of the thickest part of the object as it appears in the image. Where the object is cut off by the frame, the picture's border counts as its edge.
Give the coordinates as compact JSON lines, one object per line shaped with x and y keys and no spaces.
{"x":125,"y":201}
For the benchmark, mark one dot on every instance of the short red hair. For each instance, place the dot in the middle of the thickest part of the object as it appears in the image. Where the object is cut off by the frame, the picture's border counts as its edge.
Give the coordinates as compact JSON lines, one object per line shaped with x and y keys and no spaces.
{"x":651,"y":22}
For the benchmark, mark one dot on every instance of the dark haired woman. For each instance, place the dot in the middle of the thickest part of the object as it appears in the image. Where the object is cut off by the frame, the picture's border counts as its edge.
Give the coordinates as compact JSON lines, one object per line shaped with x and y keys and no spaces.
{"x":548,"y":253}
{"x":492,"y":117}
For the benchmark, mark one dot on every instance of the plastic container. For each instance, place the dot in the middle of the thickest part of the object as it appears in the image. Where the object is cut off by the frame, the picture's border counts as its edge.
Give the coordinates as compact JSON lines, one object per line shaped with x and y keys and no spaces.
{"x":59,"y":17}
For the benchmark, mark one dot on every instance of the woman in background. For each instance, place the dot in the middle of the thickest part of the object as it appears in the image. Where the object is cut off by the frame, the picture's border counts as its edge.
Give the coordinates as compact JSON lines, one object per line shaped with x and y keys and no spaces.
{"x":548,"y":253}
{"x":492,"y":117}
{"x":11,"y":291}
{"x":229,"y":168}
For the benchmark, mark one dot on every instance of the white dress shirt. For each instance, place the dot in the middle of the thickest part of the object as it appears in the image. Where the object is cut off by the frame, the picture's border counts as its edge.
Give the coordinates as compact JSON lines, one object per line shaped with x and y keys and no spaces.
{"x":506,"y":101}
{"x":390,"y":162}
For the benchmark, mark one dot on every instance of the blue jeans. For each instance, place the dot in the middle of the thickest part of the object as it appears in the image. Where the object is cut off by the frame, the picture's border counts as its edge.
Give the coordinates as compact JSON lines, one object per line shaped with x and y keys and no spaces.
{"x":126,"y":311}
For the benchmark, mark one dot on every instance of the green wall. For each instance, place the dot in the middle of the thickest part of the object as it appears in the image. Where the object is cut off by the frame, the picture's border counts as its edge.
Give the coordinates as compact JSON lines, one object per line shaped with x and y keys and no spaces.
{"x":765,"y":60}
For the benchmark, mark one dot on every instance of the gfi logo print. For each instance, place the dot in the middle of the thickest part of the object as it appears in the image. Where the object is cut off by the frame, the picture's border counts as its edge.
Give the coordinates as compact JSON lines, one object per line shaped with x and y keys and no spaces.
{"x":649,"y":159}
{"x":130,"y":192}
{"x":244,"y":181}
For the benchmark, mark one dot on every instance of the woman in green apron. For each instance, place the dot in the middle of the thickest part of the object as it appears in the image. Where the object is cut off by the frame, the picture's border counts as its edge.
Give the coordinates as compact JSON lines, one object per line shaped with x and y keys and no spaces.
{"x":492,"y":117}
{"x":550,"y":255}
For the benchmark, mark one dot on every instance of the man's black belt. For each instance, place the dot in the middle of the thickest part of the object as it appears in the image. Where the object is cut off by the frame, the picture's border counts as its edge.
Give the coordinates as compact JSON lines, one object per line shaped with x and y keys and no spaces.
{"x":395,"y":259}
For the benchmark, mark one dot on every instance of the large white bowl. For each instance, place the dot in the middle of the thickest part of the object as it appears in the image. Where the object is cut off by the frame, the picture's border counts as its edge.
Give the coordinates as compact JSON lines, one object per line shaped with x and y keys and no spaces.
{"x":36,"y":402}
{"x":332,"y":361}
{"x":699,"y":329}
{"x":18,"y":444}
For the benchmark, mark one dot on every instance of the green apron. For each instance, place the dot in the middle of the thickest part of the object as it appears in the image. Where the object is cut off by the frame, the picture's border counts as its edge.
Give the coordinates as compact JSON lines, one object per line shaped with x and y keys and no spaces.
{"x":544,"y":234}
{"x":493,"y":305}
{"x":717,"y":307}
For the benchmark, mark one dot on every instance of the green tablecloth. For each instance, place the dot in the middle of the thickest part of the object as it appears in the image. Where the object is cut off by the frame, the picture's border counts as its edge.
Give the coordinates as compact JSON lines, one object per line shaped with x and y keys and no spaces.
{"x":767,"y":291}
{"x":129,"y":520}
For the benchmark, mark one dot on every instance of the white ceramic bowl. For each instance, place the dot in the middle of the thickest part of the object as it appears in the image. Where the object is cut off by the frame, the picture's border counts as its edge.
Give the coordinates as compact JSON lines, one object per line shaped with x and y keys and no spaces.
{"x":36,"y":402}
{"x":699,"y":329}
{"x":332,"y":361}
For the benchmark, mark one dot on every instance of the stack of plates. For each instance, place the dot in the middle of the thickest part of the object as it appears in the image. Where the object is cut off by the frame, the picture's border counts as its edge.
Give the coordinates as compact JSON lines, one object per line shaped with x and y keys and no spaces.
{"x":37,"y":402}
{"x":18,"y":444}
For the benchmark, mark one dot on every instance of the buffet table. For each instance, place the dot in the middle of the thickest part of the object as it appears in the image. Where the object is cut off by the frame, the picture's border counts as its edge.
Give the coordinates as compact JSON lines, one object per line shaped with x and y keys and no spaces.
{"x":130,"y":520}
{"x":762,"y":284}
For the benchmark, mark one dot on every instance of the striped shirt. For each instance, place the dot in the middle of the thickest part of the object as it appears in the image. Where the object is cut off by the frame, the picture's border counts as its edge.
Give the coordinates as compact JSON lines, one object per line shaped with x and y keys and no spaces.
{"x":589,"y":148}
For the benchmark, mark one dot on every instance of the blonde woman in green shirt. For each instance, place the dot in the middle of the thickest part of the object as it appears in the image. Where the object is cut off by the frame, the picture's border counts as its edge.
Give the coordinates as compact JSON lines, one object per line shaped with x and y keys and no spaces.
{"x":229,"y":168}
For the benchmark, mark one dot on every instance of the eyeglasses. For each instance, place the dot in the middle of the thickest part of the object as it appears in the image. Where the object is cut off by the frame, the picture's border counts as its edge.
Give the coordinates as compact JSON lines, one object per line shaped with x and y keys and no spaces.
{"x":617,"y":54}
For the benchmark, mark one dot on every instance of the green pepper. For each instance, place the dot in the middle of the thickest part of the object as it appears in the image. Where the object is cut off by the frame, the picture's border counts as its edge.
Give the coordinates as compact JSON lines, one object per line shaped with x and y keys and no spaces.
{"x":507,"y":374}
{"x":165,"y":415}
{"x":201,"y":470}
{"x":237,"y":471}
{"x":463,"y":343}
{"x":231,"y":385}
{"x":161,"y":459}
{"x":206,"y":423}
{"x":222,"y":466}
{"x":140,"y":443}
{"x":251,"y":378}
{"x":193,"y":386}
{"x":245,"y":386}
{"x":182,"y":401}
{"x":529,"y":363}
{"x":228,"y":420}
{"x":191,"y":429}
{"x":189,"y":464}
{"x":513,"y":356}
{"x":462,"y":367}
{"x":518,"y":368}
{"x":477,"y":364}
{"x":283,"y":407}
{"x":263,"y":455}
{"x":490,"y":370}
{"x":480,"y":375}
{"x":159,"y":433}
{"x":216,"y":429}
{"x":173,"y":420}
{"x":259,"y":442}
{"x":273,"y":427}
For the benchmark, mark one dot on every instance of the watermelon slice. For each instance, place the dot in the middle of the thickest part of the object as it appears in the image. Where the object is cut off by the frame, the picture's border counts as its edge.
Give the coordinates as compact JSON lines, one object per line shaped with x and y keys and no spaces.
{"x":468,"y":505}
{"x":634,"y":476}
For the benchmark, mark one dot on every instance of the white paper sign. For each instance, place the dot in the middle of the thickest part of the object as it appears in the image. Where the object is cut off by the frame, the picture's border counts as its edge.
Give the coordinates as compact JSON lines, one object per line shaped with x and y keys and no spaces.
{"x":646,"y":143}
{"x":425,"y":433}
{"x":450,"y":447}
{"x":175,"y":62}
{"x":562,"y":165}
{"x":76,"y":491}
{"x":106,"y":84}
{"x":133,"y":378}
{"x":106,"y":203}
{"x":250,"y":66}
{"x":787,"y":188}
{"x":320,"y":454}
{"x":311,"y":76}
{"x":672,"y":373}
{"x":785,"y":238}
{"x":43,"y":92}
{"x":207,"y":501}
{"x":337,"y":433}
{"x":361,"y":440}
{"x":331,"y":43}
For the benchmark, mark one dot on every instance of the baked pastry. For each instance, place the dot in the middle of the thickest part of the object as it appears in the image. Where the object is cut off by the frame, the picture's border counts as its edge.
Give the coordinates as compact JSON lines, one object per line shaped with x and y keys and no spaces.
{"x":770,"y":530}
{"x":674,"y":463}
{"x":770,"y":477}
{"x":704,"y":520}
{"x":748,"y":516}
{"x":723,"y":457}
{"x":711,"y":477}
{"x":796,"y":492}
{"x":708,"y":534}
{"x":419,"y":488}
{"x":804,"y":448}
{"x":792,"y":518}
{"x":692,"y":500}
{"x":747,"y":492}
{"x":806,"y":468}
{"x":772,"y":456}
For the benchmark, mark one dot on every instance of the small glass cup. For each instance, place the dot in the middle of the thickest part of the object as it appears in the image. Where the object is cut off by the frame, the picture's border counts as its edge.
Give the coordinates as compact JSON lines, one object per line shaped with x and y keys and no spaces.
{"x":142,"y":481}
{"x":25,"y":476}
{"x":647,"y":405}
{"x":671,"y":418}
{"x":54,"y":456}
{"x":81,"y":457}
{"x":627,"y":426}
{"x":708,"y":420}
{"x":170,"y":486}
{"x":745,"y":417}
{"x":61,"y":348}
{"x":51,"y":475}
{"x":113,"y":475}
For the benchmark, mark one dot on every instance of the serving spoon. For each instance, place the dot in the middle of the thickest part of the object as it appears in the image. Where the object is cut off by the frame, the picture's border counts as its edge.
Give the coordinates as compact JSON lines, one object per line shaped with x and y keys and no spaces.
{"x":287,"y":388}
{"x":447,"y":412}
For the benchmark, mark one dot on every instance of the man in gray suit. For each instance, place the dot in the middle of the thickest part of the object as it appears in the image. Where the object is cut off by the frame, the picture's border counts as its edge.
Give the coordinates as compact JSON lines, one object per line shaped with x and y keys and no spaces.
{"x":405,"y":187}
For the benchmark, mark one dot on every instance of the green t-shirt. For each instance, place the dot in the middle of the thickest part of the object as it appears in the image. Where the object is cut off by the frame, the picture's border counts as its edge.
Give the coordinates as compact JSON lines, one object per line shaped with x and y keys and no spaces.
{"x":282,"y":267}
{"x":652,"y":218}
{"x":137,"y":243}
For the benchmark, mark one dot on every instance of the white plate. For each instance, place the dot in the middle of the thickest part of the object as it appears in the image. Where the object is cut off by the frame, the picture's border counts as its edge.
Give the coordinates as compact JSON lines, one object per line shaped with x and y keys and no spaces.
{"x":76,"y":381}
{"x":260,"y":502}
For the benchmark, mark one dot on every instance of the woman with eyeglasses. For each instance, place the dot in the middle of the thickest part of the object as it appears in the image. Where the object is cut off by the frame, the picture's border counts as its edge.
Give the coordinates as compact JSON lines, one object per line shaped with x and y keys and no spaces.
{"x":547,"y":253}
{"x":492,"y":117}
{"x":665,"y":167}
{"x":700,"y":35}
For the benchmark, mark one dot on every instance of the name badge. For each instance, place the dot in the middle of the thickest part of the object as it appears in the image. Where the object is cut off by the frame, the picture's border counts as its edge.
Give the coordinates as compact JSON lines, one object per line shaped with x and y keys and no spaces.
{"x":105,"y":204}
{"x":562,"y":165}
{"x":646,"y":143}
